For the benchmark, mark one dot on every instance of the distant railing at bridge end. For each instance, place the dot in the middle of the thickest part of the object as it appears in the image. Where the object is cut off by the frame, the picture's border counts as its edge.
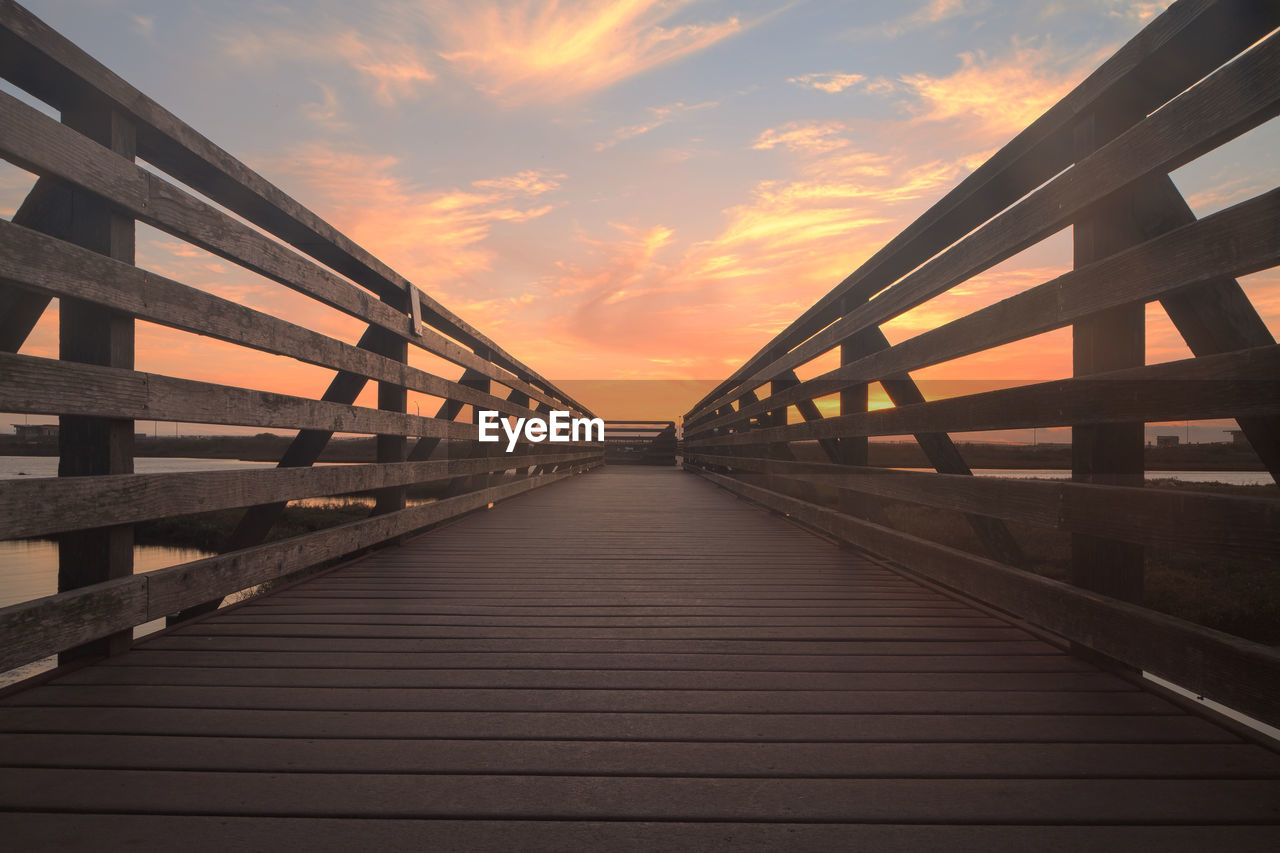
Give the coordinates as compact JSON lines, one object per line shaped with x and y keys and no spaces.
{"x":640,"y":442}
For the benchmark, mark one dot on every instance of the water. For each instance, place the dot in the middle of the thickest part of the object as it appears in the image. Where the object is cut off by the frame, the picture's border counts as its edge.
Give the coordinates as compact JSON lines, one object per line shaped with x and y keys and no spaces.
{"x":29,"y":569}
{"x":1234,"y":478}
{"x":47,"y":466}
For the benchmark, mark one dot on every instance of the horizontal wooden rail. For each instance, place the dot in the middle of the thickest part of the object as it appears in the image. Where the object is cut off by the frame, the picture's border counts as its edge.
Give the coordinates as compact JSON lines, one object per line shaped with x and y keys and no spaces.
{"x":47,"y":386}
{"x":1179,"y":47}
{"x":46,"y":265}
{"x":40,"y":506}
{"x":73,"y":239}
{"x":1236,"y":384}
{"x":1179,"y":259}
{"x":640,"y":442}
{"x":36,"y":142}
{"x":36,"y":629}
{"x":1233,"y":100}
{"x":1237,"y":529}
{"x":1201,"y":74}
{"x":46,"y":64}
{"x":1208,"y":662}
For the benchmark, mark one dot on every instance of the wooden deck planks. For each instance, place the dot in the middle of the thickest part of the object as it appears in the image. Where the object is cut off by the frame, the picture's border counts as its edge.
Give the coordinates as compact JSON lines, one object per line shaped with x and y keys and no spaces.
{"x":156,"y":834}
{"x":630,"y":660}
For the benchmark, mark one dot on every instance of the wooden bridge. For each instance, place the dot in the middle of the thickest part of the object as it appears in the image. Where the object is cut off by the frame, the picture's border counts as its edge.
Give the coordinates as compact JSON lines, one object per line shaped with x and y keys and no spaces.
{"x":743,"y":653}
{"x":640,"y":443}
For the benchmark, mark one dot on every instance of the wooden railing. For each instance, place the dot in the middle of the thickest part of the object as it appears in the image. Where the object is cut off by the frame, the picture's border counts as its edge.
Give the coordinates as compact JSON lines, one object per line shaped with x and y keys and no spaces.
{"x":73,"y":240}
{"x":640,"y":442}
{"x":1198,"y":76}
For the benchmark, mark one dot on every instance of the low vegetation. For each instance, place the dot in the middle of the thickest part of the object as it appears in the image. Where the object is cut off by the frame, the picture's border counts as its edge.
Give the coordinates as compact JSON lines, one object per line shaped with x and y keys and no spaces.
{"x":209,"y":531}
{"x":1244,"y":601}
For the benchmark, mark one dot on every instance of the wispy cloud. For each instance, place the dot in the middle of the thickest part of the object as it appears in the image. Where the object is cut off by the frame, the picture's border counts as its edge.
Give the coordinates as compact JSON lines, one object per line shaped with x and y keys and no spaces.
{"x":1132,"y":10}
{"x":530,"y":51}
{"x":639,"y":303}
{"x":145,"y":25}
{"x":394,"y":70}
{"x":931,"y":13}
{"x":989,"y":97}
{"x":993,"y":97}
{"x":518,"y":52}
{"x":435,"y":236}
{"x":814,"y":137}
{"x":327,"y":112}
{"x":658,"y":117}
{"x":829,"y":81}
{"x":1144,"y":9}
{"x":619,"y":267}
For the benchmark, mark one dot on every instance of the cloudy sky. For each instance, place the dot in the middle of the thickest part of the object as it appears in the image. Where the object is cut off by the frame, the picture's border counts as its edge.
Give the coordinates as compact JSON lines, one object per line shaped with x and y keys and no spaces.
{"x":647,"y":188}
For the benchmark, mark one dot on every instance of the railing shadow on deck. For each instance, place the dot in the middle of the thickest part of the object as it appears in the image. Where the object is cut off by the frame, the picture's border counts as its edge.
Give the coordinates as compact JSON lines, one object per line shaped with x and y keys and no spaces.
{"x":73,"y":240}
{"x":1198,"y":76}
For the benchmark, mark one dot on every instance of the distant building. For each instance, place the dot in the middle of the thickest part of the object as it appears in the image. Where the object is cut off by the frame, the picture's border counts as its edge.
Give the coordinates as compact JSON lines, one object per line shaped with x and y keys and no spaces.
{"x":1238,"y":438}
{"x":35,"y":432}
{"x":1167,"y":440}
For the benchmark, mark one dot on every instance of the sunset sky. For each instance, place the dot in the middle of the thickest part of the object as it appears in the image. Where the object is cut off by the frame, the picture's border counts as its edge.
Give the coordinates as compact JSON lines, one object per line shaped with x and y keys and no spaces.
{"x":619,"y":190}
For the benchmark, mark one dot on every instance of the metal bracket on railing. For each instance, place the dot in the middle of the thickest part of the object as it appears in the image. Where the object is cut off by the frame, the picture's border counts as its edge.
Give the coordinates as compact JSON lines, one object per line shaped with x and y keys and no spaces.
{"x":416,"y":308}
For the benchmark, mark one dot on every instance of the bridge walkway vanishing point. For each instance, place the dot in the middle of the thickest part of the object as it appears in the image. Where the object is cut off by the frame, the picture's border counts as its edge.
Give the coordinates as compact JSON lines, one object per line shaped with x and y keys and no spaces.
{"x":635,"y":659}
{"x":632,"y":659}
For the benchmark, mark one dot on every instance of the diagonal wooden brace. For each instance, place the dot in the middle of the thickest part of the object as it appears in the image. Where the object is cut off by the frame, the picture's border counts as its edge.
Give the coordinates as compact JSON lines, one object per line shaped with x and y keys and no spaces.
{"x":47,"y":209}
{"x":1213,"y":317}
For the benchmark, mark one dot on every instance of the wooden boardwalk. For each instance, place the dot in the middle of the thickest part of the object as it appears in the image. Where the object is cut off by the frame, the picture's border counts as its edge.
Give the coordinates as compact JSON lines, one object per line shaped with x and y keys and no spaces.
{"x":631,"y":660}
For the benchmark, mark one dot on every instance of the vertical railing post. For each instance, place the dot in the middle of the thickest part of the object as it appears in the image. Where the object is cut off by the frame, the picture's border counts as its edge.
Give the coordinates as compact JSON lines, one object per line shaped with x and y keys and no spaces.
{"x":1109,"y":340}
{"x":518,"y":398}
{"x":89,"y":334}
{"x":722,"y":431}
{"x":392,"y":397}
{"x":855,"y":450}
{"x":535,"y":470}
{"x":467,"y":449}
{"x":781,"y":449}
{"x":778,"y":418}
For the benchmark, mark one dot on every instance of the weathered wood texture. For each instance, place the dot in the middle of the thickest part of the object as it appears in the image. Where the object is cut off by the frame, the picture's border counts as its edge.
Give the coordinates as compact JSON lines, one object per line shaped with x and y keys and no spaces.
{"x":47,"y":386}
{"x":1163,"y":267}
{"x":36,"y":507}
{"x":43,"y":145}
{"x":36,"y":58}
{"x":1239,"y":529}
{"x":92,"y":334}
{"x":43,"y":265}
{"x":1200,"y":75}
{"x":72,"y":240}
{"x":1175,"y":50}
{"x":34,"y":629}
{"x":46,"y":209}
{"x":628,"y":660}
{"x":1233,"y":384}
{"x":1113,"y":339}
{"x":1239,"y":673}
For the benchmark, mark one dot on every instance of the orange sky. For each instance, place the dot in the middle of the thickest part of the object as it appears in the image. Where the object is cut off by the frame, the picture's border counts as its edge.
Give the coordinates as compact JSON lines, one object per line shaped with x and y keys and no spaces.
{"x":619,"y":190}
